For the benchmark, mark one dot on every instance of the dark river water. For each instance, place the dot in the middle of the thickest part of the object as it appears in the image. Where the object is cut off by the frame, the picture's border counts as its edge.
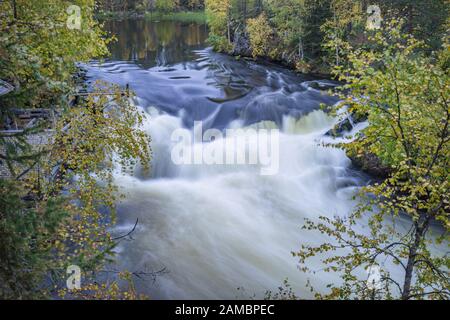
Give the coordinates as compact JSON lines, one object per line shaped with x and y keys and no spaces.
{"x":151,"y":44}
{"x":215,"y":229}
{"x":169,"y":66}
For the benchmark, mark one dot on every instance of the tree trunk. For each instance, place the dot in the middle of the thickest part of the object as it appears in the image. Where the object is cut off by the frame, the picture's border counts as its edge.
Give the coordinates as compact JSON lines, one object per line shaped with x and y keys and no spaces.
{"x":338,"y":62}
{"x":229,"y":31}
{"x":410,"y":18}
{"x":421,"y":227}
{"x":336,"y":37}
{"x":301,"y":52}
{"x":14,"y":9}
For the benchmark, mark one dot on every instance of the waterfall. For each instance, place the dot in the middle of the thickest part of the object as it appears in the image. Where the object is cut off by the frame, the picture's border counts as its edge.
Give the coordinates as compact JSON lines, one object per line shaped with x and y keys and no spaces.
{"x":217,"y":228}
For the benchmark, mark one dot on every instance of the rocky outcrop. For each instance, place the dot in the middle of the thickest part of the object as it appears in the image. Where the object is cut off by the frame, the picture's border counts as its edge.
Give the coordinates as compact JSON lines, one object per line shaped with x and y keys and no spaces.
{"x":322,"y":85}
{"x":367,"y":162}
{"x":346,"y":125}
{"x":241,"y":45}
{"x":341,"y":128}
{"x":371,"y":164}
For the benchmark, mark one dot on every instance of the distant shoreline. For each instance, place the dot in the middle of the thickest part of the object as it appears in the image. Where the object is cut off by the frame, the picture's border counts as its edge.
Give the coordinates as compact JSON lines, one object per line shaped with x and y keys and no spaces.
{"x":182,"y":16}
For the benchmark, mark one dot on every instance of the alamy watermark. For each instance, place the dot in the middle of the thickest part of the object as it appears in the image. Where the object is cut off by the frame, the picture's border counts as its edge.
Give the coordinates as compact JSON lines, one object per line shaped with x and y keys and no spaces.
{"x":74,"y":18}
{"x":375,"y":19}
{"x":374,"y":278}
{"x":234,"y":147}
{"x":73,"y":282}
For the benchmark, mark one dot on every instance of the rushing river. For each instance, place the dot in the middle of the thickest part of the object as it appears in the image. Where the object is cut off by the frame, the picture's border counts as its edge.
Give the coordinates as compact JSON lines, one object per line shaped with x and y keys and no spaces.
{"x":219,"y":228}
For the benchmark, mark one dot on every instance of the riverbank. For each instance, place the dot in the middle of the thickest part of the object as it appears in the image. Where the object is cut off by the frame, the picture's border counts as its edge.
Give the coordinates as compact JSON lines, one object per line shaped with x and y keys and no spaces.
{"x":241,"y":47}
{"x":181,"y":16}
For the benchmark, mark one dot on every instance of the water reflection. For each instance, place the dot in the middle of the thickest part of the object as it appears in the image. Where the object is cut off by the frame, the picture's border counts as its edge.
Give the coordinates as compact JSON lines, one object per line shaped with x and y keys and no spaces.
{"x":169,"y":67}
{"x":151,"y":44}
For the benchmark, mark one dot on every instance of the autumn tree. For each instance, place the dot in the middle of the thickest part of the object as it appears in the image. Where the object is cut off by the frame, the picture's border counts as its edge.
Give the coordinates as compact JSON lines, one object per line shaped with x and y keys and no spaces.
{"x":343,"y":27}
{"x":426,"y":20}
{"x":59,"y":200}
{"x":219,"y":20}
{"x":405,"y":97}
{"x":261,"y":36}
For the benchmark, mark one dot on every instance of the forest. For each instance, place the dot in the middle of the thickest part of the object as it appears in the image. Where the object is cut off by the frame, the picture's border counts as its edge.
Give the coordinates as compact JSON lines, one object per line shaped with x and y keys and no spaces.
{"x":311,"y":35}
{"x":77,"y":106}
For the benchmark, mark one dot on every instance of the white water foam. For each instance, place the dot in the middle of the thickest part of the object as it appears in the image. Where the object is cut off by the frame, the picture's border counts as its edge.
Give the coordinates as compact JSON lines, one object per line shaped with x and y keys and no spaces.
{"x":217,"y":228}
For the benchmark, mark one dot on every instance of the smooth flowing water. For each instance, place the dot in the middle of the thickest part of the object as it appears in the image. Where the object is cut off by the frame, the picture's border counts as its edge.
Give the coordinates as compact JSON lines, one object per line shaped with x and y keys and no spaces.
{"x":219,"y":228}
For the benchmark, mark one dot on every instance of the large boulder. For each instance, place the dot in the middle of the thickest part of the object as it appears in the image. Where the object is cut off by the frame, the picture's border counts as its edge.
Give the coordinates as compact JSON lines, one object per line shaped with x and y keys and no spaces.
{"x":346,"y":125}
{"x":371,"y":164}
